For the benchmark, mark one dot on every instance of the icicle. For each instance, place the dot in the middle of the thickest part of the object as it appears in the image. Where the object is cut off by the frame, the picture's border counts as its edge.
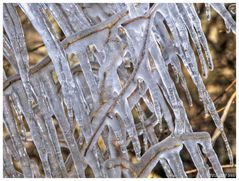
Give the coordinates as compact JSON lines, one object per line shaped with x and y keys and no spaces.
{"x":165,"y":111}
{"x":137,"y":9}
{"x":197,"y":25}
{"x":47,"y":113}
{"x":99,"y":55}
{"x":4,"y":76}
{"x":130,"y":127}
{"x":168,"y":83}
{"x":94,"y":97}
{"x":55,"y":51}
{"x":175,"y":163}
{"x":185,"y":17}
{"x":142,"y":118}
{"x":183,"y":115}
{"x":169,"y":54}
{"x":153,"y":139}
{"x":187,"y":50}
{"x":87,"y":71}
{"x":12,"y":148}
{"x":155,"y":96}
{"x":12,"y":25}
{"x":11,"y":125}
{"x":197,"y":158}
{"x":34,"y":128}
{"x":132,"y":10}
{"x":208,"y":11}
{"x":64,"y":124}
{"x":157,"y":151}
{"x":122,"y":109}
{"x":20,"y":119}
{"x":212,"y":110}
{"x":86,"y":105}
{"x":229,"y":21}
{"x":115,"y":125}
{"x":76,"y":16}
{"x":8,"y":53}
{"x":53,"y":161}
{"x":8,"y":165}
{"x":142,"y":8}
{"x":208,"y":150}
{"x":35,"y":168}
{"x":148,"y":103}
{"x":61,"y":18}
{"x":202,"y":91}
{"x":92,"y":161}
{"x":99,"y":158}
{"x":114,"y":153}
{"x":166,"y":168}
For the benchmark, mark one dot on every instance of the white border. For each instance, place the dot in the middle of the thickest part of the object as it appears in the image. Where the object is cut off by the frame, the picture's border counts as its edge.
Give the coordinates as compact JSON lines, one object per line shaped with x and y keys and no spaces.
{"x":105,"y":1}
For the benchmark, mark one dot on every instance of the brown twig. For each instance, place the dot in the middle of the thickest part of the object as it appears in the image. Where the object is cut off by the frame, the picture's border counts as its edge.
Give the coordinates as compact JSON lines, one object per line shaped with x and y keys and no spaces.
{"x":220,"y":95}
{"x":142,"y":56}
{"x":217,"y":133}
{"x":223,"y":166}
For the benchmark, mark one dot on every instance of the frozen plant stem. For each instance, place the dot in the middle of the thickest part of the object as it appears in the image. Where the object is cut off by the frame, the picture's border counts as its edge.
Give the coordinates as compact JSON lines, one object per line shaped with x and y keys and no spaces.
{"x":119,"y":88}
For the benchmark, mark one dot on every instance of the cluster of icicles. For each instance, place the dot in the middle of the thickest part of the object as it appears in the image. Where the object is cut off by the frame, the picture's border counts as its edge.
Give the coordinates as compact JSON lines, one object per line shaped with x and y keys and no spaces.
{"x":124,"y":51}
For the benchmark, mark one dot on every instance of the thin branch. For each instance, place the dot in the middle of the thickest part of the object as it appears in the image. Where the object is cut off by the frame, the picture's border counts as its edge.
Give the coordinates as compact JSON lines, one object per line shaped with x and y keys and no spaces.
{"x":223,"y":166}
{"x":142,"y":56}
{"x":220,"y":95}
{"x":217,"y":133}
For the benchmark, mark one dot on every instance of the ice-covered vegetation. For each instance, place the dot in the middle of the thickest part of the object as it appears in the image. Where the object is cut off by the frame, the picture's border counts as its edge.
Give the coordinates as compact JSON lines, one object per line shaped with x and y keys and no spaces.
{"x":124,"y":53}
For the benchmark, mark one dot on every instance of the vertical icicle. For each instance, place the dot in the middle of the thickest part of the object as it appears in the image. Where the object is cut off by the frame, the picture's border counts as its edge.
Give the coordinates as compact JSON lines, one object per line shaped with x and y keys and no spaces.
{"x":115,"y":126}
{"x":116,"y":170}
{"x":13,"y":27}
{"x":209,"y":151}
{"x":55,"y":50}
{"x":142,"y":118}
{"x":197,"y":25}
{"x":35,"y":169}
{"x":90,"y":79}
{"x":208,"y":103}
{"x":154,"y":92}
{"x":208,"y":11}
{"x":8,"y":53}
{"x":185,"y":17}
{"x":8,"y":165}
{"x":93,"y":163}
{"x":169,"y":53}
{"x":168,"y":83}
{"x":12,"y":148}
{"x":19,"y":113}
{"x":229,"y":21}
{"x":176,"y":164}
{"x":52,"y":159}
{"x":64,"y":124}
{"x":75,"y":16}
{"x":15,"y":33}
{"x":196,"y":156}
{"x":166,"y":168}
{"x":20,"y":99}
{"x":68,"y":27}
{"x":47,"y":115}
{"x":130,"y":127}
{"x":16,"y":139}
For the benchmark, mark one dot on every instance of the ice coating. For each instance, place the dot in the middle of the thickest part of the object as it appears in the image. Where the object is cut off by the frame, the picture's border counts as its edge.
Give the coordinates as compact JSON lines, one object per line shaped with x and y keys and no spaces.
{"x":124,"y":52}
